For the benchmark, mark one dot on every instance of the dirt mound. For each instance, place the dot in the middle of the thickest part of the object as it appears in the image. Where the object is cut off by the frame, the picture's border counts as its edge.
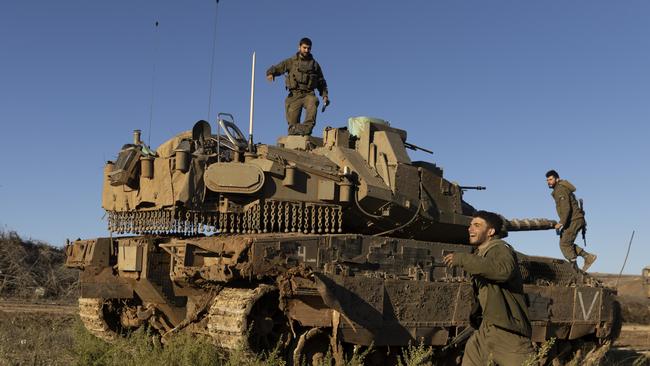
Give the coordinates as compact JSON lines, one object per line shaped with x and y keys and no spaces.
{"x":32,"y":269}
{"x":635,"y":306}
{"x":635,"y":309}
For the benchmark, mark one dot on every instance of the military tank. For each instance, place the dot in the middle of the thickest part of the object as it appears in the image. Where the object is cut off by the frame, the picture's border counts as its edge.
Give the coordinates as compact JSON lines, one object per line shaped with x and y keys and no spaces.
{"x":316,"y":244}
{"x":645,"y":277}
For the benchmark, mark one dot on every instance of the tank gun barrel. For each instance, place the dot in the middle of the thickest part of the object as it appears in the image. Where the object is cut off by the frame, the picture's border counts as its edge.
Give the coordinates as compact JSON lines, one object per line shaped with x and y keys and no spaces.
{"x":477,"y":188}
{"x":529,"y":224}
{"x":410,"y":146}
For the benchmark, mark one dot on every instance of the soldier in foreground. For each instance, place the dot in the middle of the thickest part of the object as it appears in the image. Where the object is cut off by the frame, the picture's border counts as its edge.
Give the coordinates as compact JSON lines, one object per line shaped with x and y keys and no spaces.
{"x":303,"y":75}
{"x":572,"y":219}
{"x":501,"y":317}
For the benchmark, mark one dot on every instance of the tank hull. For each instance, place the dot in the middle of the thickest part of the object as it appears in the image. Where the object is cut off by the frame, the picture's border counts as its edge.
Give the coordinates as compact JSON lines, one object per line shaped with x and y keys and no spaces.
{"x":355,"y":289}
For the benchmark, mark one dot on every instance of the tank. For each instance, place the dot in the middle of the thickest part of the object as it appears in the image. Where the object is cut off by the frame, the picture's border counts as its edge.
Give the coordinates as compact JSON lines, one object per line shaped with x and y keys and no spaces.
{"x":645,"y":277}
{"x":315,"y":244}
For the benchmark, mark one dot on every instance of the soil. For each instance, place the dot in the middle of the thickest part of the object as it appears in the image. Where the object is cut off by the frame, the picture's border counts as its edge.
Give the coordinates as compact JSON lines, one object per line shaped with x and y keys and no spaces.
{"x":635,"y":305}
{"x":36,"y":333}
{"x":17,"y":306}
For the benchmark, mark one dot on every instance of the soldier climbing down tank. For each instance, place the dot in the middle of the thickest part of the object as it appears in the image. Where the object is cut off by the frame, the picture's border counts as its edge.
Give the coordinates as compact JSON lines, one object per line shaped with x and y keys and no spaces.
{"x":572,"y":219}
{"x":302,"y":75}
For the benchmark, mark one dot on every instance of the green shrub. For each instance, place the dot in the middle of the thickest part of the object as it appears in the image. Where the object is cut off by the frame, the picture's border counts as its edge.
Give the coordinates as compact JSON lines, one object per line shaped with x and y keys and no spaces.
{"x":141,"y":348}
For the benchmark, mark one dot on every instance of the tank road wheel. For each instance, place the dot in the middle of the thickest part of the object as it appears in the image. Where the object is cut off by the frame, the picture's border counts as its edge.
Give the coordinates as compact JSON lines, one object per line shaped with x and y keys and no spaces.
{"x":248,"y":318}
{"x":617,"y":322}
{"x":312,"y":347}
{"x":92,"y":316}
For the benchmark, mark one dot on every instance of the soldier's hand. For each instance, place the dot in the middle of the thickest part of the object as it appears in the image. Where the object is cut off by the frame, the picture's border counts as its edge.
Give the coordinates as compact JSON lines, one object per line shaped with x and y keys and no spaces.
{"x":326,"y":101}
{"x":270,"y":77}
{"x":449,"y":260}
{"x":558,"y":226}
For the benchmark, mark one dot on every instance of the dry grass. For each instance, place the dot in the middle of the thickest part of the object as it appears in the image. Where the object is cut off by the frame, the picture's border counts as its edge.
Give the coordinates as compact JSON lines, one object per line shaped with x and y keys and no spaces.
{"x":37,"y":339}
{"x":589,"y":354}
{"x":59,"y":339}
{"x":143,"y":349}
{"x":31,"y":269}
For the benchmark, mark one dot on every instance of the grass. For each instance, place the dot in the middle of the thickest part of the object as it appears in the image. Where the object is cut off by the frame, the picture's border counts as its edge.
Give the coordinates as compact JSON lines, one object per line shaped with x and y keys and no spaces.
{"x":140,"y":348}
{"x":419,"y":355}
{"x":36,"y":339}
{"x":60,"y":339}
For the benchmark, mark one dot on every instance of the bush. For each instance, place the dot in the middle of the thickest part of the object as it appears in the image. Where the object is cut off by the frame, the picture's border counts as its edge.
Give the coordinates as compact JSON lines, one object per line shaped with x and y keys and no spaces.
{"x":34,"y":269}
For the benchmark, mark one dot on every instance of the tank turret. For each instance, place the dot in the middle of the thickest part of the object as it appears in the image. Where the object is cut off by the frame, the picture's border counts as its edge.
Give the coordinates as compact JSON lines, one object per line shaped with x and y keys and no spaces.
{"x":357,"y":179}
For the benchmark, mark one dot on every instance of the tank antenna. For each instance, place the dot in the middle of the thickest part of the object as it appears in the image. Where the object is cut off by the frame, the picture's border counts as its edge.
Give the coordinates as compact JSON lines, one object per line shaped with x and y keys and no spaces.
{"x":250,"y":121}
{"x":625,"y":261}
{"x":214,"y":48}
{"x":153,"y":82}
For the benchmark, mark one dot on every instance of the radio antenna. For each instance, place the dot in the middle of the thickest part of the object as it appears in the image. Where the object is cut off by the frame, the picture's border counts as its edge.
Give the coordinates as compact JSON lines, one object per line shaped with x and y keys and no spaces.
{"x":214,"y":47}
{"x":625,"y":261}
{"x":250,"y":121}
{"x":153,"y":81}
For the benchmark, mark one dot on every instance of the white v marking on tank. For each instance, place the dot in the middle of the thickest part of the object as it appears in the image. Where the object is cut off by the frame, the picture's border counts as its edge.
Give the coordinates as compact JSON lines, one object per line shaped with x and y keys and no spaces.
{"x":582,"y":304}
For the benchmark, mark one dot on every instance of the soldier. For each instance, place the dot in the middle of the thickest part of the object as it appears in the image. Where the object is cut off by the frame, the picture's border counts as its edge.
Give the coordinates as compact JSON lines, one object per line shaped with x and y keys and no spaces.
{"x":501,"y":312}
{"x":572,"y":219}
{"x":303,"y":75}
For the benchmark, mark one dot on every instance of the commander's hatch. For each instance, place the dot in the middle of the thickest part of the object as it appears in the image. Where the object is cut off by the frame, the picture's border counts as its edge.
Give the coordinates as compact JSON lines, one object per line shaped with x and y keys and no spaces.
{"x":227,"y":123}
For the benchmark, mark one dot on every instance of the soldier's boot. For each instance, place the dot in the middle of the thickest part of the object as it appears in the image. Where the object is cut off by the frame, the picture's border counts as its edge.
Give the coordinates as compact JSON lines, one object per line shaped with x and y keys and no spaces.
{"x":302,"y":129}
{"x":308,"y":128}
{"x":293,"y":129}
{"x":589,"y":260}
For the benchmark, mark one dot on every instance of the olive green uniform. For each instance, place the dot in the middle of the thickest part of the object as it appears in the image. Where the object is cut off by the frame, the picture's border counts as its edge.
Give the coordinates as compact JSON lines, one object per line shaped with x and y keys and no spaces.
{"x":571,"y":217}
{"x":503,"y":335}
{"x":302,"y":76}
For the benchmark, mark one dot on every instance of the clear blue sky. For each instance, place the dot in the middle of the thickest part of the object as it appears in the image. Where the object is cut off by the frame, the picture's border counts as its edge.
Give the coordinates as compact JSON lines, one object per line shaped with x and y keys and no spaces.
{"x":501,"y":91}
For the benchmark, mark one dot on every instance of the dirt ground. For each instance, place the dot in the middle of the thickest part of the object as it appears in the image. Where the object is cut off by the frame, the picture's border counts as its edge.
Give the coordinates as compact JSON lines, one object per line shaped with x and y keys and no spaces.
{"x":635,"y":305}
{"x":37,"y":333}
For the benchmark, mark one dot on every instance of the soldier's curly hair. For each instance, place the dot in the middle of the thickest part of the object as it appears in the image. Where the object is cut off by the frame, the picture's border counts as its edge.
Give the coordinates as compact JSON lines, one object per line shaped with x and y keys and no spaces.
{"x":306,"y":41}
{"x":552,"y":173}
{"x":493,"y":220}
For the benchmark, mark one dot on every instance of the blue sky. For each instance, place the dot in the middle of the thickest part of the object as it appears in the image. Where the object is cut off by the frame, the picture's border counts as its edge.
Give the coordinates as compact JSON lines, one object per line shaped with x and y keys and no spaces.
{"x":501,"y":91}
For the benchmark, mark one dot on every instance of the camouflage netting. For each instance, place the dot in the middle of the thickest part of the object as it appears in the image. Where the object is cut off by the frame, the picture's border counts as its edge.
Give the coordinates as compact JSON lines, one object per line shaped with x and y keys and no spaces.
{"x":31,"y":269}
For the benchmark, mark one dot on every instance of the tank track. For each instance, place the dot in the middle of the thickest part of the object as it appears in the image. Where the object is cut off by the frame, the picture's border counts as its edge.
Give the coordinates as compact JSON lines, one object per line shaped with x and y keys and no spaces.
{"x":228,"y":317}
{"x":92,"y":316}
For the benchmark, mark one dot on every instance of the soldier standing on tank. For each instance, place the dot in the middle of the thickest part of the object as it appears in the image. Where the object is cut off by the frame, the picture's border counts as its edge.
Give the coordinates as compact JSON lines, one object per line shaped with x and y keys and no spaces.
{"x":501,"y":311}
{"x":572,"y":219}
{"x":302,"y":75}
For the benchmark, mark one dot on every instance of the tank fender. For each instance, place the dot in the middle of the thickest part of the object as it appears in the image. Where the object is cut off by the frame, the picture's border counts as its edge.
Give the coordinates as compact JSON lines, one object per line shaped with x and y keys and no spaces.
{"x":84,"y":253}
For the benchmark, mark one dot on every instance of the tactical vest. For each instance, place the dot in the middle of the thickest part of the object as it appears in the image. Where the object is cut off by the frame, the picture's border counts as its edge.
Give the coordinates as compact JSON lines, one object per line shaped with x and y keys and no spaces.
{"x":302,"y":75}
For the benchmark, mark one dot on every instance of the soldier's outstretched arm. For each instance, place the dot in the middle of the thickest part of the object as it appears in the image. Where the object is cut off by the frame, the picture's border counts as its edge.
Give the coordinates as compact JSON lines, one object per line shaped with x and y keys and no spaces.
{"x":498,"y":265}
{"x":279,"y":69}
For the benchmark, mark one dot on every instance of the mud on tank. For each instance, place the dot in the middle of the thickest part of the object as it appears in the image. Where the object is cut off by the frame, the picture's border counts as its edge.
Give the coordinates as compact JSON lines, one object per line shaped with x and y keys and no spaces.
{"x":317,"y":243}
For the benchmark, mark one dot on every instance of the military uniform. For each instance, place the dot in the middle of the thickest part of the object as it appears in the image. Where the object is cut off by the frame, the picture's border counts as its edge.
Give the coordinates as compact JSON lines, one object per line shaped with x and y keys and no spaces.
{"x":302,"y":76}
{"x":572,"y":219}
{"x":503,"y":335}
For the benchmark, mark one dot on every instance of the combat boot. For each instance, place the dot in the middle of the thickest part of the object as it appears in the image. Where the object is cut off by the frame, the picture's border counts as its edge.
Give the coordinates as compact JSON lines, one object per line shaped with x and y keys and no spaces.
{"x":589,"y":260}
{"x":302,"y":129}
